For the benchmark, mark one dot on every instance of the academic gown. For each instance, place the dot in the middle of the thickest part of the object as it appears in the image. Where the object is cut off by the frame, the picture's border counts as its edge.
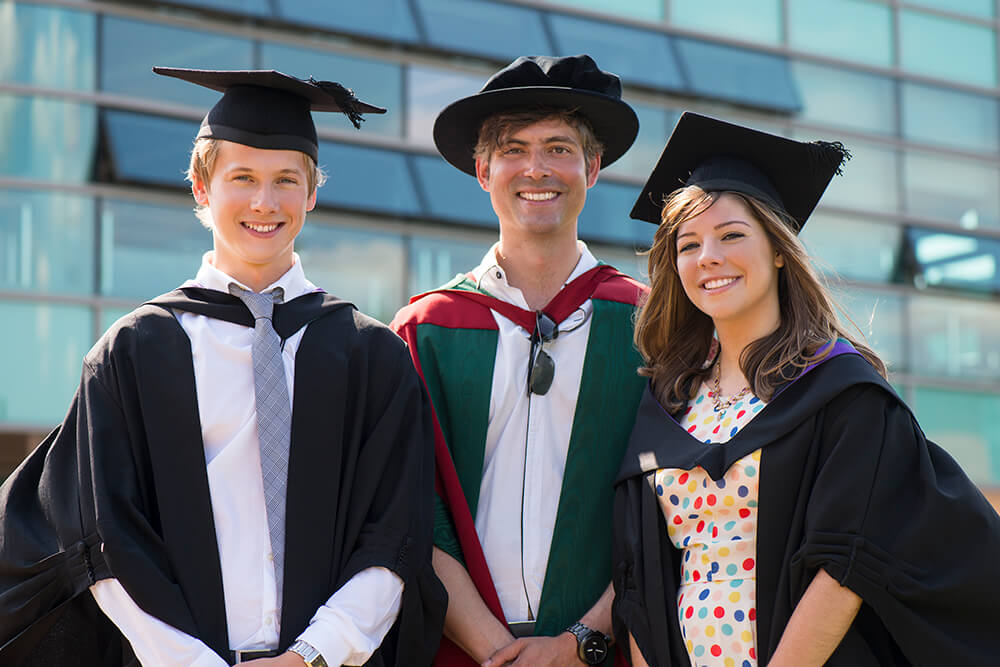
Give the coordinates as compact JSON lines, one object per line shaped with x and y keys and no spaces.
{"x":848,"y":483}
{"x":120,"y":488}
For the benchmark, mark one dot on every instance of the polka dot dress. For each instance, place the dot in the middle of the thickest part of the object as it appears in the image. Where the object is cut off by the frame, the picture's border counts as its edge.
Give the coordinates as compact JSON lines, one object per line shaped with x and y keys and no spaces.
{"x":715,"y":524}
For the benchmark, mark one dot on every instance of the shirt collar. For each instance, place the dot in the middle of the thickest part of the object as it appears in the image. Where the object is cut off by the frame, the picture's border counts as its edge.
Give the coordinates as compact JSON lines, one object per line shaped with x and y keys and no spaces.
{"x":293,"y":283}
{"x":491,"y":278}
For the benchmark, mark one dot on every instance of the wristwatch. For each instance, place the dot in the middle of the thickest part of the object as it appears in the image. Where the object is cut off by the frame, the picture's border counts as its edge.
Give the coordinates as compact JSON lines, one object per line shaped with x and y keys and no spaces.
{"x":308,"y":653}
{"x":591,"y":645}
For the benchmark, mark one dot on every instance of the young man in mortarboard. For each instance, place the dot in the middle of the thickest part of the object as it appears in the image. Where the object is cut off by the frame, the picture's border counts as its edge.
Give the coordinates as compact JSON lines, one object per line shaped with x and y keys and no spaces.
{"x":245,"y":472}
{"x":532,"y":373}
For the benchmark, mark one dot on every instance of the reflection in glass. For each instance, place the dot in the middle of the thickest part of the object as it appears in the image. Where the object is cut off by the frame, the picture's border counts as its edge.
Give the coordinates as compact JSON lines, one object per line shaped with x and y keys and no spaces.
{"x":955,"y":338}
{"x":960,"y":191}
{"x":981,"y":8}
{"x":856,"y":30}
{"x":451,"y":194}
{"x":435,"y":260}
{"x":165,"y":148}
{"x":490,"y":29}
{"x":877,"y":317}
{"x":390,"y":19}
{"x":950,"y":118}
{"x":845,"y":98}
{"x":47,"y":46}
{"x":655,"y":125}
{"x":738,"y":75}
{"x":365,"y":268}
{"x":367,"y":179}
{"x":852,"y":248}
{"x":50,"y":341}
{"x":47,"y":139}
{"x":751,"y":20}
{"x":428,"y":91}
{"x":149,"y":249}
{"x":936,"y":259}
{"x":46,"y":242}
{"x":869,"y":180}
{"x":965,"y":424}
{"x":129,"y":48}
{"x":624,"y":50}
{"x":376,"y":82}
{"x":949,"y":49}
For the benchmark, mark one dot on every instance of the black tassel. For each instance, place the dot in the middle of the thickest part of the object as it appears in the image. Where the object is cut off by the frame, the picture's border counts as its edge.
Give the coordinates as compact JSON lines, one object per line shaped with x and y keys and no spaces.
{"x":344,"y":97}
{"x":828,"y":154}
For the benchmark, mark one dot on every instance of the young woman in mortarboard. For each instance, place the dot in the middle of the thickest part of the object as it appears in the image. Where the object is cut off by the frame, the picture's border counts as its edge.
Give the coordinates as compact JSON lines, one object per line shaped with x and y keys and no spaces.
{"x":778,"y":503}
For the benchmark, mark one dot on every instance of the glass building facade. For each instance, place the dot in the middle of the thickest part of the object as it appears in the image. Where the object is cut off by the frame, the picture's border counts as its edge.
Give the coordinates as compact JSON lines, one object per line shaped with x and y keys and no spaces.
{"x":95,"y":215}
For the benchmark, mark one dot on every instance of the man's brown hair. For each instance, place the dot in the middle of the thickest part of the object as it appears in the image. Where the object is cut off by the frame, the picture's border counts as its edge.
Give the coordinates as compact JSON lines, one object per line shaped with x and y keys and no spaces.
{"x":498,"y":127}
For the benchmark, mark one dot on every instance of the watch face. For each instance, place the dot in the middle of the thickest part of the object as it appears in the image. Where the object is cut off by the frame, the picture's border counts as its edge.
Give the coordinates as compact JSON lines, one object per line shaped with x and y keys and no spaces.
{"x":594,"y":649}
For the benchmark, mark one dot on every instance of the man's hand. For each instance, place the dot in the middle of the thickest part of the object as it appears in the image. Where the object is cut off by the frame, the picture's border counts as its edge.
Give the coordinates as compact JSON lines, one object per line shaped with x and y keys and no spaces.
{"x":286,"y":659}
{"x":558,"y":651}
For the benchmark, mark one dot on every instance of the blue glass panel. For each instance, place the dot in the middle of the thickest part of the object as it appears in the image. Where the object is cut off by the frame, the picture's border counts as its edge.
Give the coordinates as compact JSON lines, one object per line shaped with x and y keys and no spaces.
{"x":50,"y":341}
{"x":390,"y":19}
{"x":949,"y":118}
{"x":955,"y":261}
{"x":638,"y":9}
{"x":869,"y":182}
{"x":251,"y":7}
{"x":959,"y":338}
{"x":981,"y":8}
{"x":46,"y":242}
{"x":149,"y":249}
{"x":490,"y":29}
{"x":605,"y":216}
{"x":963,"y":192}
{"x":964,"y":423}
{"x":845,"y":98}
{"x":376,"y":82}
{"x":148,"y":149}
{"x":853,"y":248}
{"x":855,"y":30}
{"x":48,"y":46}
{"x":130,"y":48}
{"x":655,"y":125}
{"x":739,"y":75}
{"x":47,"y":139}
{"x":637,"y":56}
{"x":951,"y":50}
{"x":428,"y":91}
{"x":367,"y":179}
{"x":750,"y":20}
{"x":451,"y":194}
{"x":434,"y":260}
{"x":878,"y":318}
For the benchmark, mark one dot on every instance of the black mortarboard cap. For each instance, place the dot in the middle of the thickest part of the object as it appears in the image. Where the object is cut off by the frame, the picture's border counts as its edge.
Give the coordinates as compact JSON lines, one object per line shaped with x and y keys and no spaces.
{"x":571,"y":82}
{"x":715,"y":155}
{"x":268,"y":109}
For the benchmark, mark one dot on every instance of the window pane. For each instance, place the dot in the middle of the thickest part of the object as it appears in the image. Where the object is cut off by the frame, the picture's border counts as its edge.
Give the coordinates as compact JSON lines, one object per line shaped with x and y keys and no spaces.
{"x":738,"y":75}
{"x":752,"y":20}
{"x":451,"y":194}
{"x":428,"y":91}
{"x":149,"y":249}
{"x":130,"y":48}
{"x":849,"y":29}
{"x":638,"y":9}
{"x":435,"y":260}
{"x":165,"y":148}
{"x":879,"y":318}
{"x":960,"y":191}
{"x":47,"y":139}
{"x":365,"y":268}
{"x":376,"y":82}
{"x":367,"y":179}
{"x":380,"y":18}
{"x":965,"y":424}
{"x":46,"y":46}
{"x":50,"y":341}
{"x":955,"y":338}
{"x":949,"y":118}
{"x":251,"y":7}
{"x":655,"y":125}
{"x":852,"y":248}
{"x":953,"y":260}
{"x":605,"y":216}
{"x":869,"y":181}
{"x":949,"y":49}
{"x":981,"y":8}
{"x":46,"y":242}
{"x":844,"y":98}
{"x":111,"y":315}
{"x":637,"y":56}
{"x":491,"y":29}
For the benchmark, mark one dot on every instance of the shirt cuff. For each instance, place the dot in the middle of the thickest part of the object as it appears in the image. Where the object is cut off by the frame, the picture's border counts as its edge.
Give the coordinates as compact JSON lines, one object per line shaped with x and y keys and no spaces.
{"x":350,"y":627}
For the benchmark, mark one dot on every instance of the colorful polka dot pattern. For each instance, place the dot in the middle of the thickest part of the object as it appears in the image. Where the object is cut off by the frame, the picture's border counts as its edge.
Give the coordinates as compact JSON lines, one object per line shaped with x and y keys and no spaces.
{"x":715,"y":524}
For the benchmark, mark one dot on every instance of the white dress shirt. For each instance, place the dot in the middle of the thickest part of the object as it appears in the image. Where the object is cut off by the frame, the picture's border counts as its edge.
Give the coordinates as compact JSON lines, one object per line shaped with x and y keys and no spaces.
{"x":532,"y":426}
{"x":353,"y":622}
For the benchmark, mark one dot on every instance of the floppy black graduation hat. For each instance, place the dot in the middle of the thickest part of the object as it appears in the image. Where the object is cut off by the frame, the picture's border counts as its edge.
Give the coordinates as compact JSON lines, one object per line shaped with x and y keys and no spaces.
{"x":715,"y":155}
{"x":268,"y":109}
{"x":572,"y":82}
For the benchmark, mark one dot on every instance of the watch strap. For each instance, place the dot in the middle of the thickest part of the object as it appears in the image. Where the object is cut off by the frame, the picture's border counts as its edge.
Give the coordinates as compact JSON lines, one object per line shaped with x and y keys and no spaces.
{"x":308,"y":653}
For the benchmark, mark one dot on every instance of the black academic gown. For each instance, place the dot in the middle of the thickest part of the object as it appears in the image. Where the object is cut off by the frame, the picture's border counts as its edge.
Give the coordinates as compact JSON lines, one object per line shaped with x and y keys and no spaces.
{"x":848,"y":483}
{"x":120,"y":488}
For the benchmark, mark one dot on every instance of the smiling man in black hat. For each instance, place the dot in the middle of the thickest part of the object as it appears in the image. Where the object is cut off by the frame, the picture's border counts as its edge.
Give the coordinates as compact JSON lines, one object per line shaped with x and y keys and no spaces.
{"x":531,"y":372}
{"x":245,"y":471}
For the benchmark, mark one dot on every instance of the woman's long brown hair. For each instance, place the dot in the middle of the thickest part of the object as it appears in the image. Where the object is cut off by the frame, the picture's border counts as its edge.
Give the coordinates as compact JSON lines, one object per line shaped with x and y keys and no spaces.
{"x":674,"y":337}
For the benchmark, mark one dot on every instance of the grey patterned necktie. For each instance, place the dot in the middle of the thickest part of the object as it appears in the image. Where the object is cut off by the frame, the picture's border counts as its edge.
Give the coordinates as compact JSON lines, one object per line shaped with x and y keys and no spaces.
{"x":274,"y":416}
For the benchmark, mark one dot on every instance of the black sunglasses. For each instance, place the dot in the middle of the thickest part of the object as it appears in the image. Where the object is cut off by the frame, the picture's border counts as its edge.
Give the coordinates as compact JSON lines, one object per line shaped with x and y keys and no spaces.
{"x":541,"y":368}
